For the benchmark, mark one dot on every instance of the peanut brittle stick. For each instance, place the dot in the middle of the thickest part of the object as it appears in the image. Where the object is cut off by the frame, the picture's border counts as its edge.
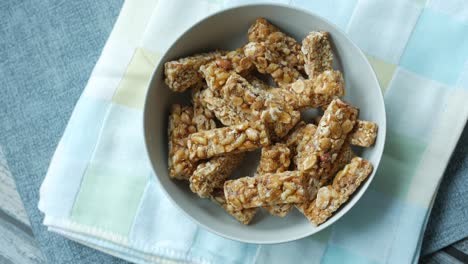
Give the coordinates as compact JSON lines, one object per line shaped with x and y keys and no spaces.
{"x":244,"y":216}
{"x":203,"y":118}
{"x":180,"y":127}
{"x":313,"y":93}
{"x":275,"y":159}
{"x":183,"y":73}
{"x":273,"y":52}
{"x":269,"y":59}
{"x":331,"y":197}
{"x":260,"y":30}
{"x":318,"y":55}
{"x":233,"y":139}
{"x":364,"y":133}
{"x":266,"y":189}
{"x":212,"y":174}
{"x":336,"y":123}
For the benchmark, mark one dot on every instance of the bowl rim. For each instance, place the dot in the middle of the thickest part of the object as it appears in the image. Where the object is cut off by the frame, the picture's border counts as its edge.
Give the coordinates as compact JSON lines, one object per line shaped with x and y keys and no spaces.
{"x":349,"y":204}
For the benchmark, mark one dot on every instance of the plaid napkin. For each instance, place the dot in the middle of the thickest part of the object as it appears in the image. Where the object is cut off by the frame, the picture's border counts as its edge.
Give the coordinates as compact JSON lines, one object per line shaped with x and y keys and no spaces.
{"x":100,"y":190}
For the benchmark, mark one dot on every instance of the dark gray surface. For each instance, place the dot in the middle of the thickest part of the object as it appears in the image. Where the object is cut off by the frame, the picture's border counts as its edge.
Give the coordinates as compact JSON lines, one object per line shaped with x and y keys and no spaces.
{"x":47,"y":51}
{"x":448,"y":222}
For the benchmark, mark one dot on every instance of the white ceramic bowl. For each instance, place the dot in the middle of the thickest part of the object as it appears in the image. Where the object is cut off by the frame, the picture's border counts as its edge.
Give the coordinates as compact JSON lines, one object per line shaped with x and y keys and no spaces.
{"x":228,"y":30}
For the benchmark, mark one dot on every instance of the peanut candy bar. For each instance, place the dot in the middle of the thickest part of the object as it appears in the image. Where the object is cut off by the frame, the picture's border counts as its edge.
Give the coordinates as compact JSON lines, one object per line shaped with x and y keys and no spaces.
{"x":249,"y":104}
{"x":331,"y":197}
{"x":183,"y":73}
{"x":220,"y":102}
{"x":244,"y":216}
{"x":212,"y":174}
{"x":266,"y":189}
{"x":216,"y":73}
{"x":274,"y":61}
{"x":260,"y":30}
{"x":312,"y":93}
{"x":295,"y":137}
{"x":203,"y":118}
{"x":180,"y":127}
{"x":247,"y":101}
{"x":304,"y":146}
{"x":317,"y":52}
{"x":239,"y":101}
{"x":225,"y":113}
{"x":274,"y":159}
{"x":280,"y":120}
{"x":344,"y":157}
{"x":336,"y":123}
{"x":232,"y":139}
{"x":364,"y":133}
{"x":274,"y":52}
{"x":303,"y":138}
{"x":239,"y":62}
{"x":315,"y":156}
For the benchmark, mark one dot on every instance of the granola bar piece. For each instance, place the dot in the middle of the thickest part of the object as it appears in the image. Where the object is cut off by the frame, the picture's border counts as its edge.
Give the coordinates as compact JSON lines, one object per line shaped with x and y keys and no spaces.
{"x":279,"y":60}
{"x":336,"y":123}
{"x":316,"y":155}
{"x":183,"y":73}
{"x":318,"y":55}
{"x":273,"y":52}
{"x":180,"y":127}
{"x":233,"y":139}
{"x":260,"y":30}
{"x":240,"y":101}
{"x":244,"y":216}
{"x":266,"y":189}
{"x":302,"y":148}
{"x":234,"y":103}
{"x":225,"y":113}
{"x":331,"y":197}
{"x":280,"y":119}
{"x":246,"y":100}
{"x":274,"y":159}
{"x":249,"y":103}
{"x":203,"y":118}
{"x":303,"y":139}
{"x":216,"y":73}
{"x":239,"y":62}
{"x":312,"y":93}
{"x":278,"y":42}
{"x":295,"y":136}
{"x":344,"y":157}
{"x":212,"y":174}
{"x":364,"y":133}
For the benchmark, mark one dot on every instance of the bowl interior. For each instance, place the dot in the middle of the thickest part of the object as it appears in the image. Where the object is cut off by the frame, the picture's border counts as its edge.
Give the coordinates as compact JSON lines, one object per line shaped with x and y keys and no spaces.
{"x":227,"y":30}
